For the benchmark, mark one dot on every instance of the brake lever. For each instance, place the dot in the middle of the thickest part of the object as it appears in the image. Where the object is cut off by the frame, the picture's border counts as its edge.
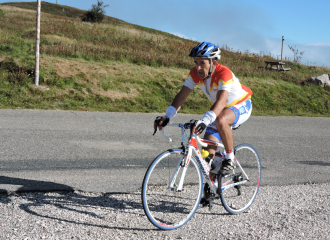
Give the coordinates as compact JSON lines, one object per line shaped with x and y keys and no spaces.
{"x":156,"y":124}
{"x":155,"y":130}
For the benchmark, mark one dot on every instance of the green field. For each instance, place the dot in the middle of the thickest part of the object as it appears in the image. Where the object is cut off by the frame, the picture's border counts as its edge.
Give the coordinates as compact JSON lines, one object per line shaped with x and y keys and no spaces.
{"x":121,"y":67}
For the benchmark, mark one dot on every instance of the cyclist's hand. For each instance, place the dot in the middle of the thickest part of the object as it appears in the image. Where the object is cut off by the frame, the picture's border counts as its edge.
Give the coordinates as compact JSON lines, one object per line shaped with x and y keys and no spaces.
{"x":160,"y":122}
{"x":199,"y":127}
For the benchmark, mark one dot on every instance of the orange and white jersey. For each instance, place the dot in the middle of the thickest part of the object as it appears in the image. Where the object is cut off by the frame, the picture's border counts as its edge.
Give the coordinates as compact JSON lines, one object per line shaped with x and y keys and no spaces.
{"x":221,"y":79}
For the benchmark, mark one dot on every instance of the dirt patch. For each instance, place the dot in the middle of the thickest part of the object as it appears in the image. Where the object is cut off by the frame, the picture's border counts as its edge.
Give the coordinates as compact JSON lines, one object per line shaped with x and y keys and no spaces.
{"x":258,"y":81}
{"x":97,"y":72}
{"x":17,"y":10}
{"x":55,"y":38}
{"x":117,"y":95}
{"x":68,"y":68}
{"x":143,"y":34}
{"x":131,"y":31}
{"x":90,"y":70}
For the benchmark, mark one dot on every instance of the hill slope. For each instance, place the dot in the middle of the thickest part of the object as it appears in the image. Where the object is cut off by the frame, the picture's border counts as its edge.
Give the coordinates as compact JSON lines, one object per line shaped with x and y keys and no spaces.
{"x":117,"y":66}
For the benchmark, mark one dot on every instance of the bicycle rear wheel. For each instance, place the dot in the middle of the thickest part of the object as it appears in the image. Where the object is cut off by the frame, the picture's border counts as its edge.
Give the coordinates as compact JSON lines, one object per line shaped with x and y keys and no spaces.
{"x":238,"y":199}
{"x":165,"y":206}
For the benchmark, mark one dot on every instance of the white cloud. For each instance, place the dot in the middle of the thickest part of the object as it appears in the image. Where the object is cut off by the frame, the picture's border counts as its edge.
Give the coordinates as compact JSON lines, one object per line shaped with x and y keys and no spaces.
{"x":239,"y":24}
{"x":181,"y":35}
{"x":316,"y":53}
{"x":318,"y":44}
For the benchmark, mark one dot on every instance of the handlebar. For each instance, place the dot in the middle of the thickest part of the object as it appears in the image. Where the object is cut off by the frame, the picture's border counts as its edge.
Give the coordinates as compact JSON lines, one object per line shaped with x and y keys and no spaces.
{"x":183,"y":126}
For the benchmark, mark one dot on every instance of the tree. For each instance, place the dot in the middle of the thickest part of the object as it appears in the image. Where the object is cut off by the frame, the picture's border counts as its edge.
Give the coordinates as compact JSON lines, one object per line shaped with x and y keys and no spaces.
{"x":296,"y":57}
{"x":96,"y":13}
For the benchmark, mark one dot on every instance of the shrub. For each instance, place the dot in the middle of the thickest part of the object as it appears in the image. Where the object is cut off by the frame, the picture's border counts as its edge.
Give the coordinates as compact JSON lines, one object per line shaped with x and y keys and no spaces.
{"x":96,"y":13}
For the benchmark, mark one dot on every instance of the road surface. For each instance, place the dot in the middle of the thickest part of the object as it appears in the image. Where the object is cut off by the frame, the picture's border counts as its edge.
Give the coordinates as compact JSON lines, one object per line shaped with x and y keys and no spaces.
{"x":110,"y":152}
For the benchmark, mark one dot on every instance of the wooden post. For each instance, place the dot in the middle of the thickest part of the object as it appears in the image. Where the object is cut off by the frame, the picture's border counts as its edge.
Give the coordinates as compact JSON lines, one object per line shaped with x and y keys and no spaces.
{"x":282,"y":48}
{"x":36,"y":71}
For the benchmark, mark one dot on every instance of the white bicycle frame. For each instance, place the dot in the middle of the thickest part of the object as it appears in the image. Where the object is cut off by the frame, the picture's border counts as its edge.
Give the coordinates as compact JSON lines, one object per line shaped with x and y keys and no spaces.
{"x":192,"y":148}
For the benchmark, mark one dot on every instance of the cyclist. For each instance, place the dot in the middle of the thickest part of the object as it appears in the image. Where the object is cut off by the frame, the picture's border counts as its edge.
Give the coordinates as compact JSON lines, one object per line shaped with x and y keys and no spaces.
{"x":230,"y":101}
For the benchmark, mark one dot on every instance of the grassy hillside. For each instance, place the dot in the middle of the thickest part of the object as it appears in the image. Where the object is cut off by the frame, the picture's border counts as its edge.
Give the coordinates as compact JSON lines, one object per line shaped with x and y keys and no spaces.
{"x":117,"y":66}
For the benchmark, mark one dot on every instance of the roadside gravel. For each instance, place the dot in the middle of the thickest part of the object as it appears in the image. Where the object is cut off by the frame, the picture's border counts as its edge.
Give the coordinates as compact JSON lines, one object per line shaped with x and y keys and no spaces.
{"x":289,"y":212}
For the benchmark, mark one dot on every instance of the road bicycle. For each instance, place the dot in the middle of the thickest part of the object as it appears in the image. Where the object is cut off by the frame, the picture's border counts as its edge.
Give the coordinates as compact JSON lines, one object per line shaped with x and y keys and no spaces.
{"x":173,"y":184}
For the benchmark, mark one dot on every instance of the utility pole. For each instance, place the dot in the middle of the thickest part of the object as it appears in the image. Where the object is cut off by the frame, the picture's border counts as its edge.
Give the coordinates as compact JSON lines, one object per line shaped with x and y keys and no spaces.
{"x":56,"y":2}
{"x":282,"y":48}
{"x":36,"y":71}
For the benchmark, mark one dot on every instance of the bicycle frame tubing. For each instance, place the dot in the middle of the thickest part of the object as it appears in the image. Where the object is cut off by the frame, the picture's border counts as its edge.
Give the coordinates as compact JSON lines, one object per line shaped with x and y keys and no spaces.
{"x":203,"y":165}
{"x":192,"y":149}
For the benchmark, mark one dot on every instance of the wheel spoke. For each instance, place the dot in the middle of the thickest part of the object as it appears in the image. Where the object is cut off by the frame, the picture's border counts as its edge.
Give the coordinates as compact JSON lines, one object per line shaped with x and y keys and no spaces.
{"x":166,"y":207}
{"x":239,"y":198}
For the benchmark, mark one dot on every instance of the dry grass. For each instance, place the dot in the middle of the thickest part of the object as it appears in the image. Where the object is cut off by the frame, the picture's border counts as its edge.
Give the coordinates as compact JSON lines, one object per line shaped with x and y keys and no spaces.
{"x":116,"y":66}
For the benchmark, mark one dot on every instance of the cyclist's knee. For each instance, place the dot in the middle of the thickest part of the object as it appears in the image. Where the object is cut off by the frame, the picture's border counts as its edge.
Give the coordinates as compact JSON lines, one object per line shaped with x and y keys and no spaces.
{"x":226,"y":117}
{"x":222,"y":122}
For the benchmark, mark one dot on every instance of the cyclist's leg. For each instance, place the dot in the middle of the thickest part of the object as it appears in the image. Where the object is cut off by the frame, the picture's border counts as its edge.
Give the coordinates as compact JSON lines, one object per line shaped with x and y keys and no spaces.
{"x":212,"y":149}
{"x":232,"y":116}
{"x":213,"y":135}
{"x":212,"y":132}
{"x":223,"y":124}
{"x":244,"y":110}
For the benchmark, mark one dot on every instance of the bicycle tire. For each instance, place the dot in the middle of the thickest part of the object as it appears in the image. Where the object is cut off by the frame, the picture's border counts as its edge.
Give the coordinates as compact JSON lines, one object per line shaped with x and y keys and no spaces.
{"x":166,"y":208}
{"x":240,"y":198}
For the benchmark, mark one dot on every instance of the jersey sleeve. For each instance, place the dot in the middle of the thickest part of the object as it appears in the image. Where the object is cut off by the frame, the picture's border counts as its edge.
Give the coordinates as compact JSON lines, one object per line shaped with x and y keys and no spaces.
{"x":189,"y":83}
{"x":226,"y":80}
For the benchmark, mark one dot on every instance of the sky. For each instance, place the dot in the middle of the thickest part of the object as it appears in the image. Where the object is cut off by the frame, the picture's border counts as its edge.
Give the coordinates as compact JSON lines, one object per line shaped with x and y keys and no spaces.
{"x":242,"y":25}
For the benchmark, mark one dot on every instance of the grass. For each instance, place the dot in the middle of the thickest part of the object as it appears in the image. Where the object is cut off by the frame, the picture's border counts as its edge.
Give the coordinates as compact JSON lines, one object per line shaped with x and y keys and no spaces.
{"x":117,"y":66}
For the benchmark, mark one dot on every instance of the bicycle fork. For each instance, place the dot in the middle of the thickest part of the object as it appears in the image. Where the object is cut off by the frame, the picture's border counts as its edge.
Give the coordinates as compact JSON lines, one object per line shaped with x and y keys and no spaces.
{"x":183,"y":163}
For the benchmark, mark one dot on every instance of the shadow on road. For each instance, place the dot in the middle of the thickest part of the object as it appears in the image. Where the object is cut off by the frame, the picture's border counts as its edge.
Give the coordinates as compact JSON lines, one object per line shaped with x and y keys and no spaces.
{"x":61,"y":198}
{"x":32,"y":185}
{"x":313,"y":163}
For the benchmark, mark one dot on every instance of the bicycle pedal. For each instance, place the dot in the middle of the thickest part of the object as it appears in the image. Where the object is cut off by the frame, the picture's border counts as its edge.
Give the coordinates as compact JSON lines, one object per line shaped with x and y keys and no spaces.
{"x":225,"y":174}
{"x":217,"y":196}
{"x":204,"y":202}
{"x":238,"y":187}
{"x":210,"y":205}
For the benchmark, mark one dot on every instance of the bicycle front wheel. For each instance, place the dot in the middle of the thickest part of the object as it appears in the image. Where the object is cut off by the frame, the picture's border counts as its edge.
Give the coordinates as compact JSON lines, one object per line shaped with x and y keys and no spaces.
{"x":239,"y":198}
{"x":167,"y":203}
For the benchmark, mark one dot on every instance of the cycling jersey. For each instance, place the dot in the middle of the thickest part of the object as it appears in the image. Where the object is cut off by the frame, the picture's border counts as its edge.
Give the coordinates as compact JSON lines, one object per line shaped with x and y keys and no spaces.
{"x":221,"y":79}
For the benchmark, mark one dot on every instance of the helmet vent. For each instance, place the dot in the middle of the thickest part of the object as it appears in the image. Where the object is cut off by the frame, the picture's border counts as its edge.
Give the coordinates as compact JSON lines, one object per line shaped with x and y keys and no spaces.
{"x":203,"y":52}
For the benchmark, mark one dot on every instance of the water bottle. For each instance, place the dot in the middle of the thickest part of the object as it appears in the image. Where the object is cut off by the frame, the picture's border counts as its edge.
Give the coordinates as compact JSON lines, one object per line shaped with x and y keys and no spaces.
{"x":206,"y":155}
{"x":207,"y":158}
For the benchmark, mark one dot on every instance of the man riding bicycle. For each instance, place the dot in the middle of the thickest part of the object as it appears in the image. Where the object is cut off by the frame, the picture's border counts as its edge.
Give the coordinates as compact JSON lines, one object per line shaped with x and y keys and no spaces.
{"x":230,"y":101}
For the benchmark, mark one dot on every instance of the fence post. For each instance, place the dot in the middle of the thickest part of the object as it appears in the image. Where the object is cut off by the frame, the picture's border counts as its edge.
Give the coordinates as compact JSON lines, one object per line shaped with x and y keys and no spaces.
{"x":36,"y":70}
{"x":282,"y":48}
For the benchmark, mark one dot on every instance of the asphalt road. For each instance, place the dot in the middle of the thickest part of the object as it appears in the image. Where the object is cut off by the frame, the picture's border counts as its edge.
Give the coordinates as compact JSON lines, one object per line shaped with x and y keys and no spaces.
{"x":110,"y":152}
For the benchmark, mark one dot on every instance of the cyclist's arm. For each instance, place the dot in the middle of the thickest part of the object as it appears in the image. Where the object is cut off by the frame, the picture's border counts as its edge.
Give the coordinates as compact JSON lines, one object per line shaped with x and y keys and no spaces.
{"x":181,"y":97}
{"x":226,"y":84}
{"x":178,"y":101}
{"x":220,"y":104}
